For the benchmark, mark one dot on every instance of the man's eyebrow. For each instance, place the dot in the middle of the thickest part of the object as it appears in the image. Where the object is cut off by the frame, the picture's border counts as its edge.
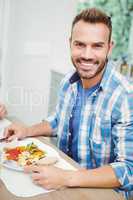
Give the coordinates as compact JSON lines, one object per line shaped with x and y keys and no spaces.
{"x":101,"y":43}
{"x":78,"y":41}
{"x":93,"y":42}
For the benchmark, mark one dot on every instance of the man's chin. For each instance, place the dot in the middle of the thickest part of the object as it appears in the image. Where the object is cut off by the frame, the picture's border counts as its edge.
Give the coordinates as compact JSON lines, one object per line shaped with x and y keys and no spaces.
{"x":85,"y":76}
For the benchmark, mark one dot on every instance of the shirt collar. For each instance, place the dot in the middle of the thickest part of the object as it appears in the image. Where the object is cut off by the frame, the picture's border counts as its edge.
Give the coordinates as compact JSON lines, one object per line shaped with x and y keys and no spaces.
{"x":74,"y":78}
{"x":108,"y":72}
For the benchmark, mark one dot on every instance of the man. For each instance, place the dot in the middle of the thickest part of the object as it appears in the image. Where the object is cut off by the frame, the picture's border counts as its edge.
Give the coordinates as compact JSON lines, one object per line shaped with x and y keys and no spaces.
{"x":94,"y":115}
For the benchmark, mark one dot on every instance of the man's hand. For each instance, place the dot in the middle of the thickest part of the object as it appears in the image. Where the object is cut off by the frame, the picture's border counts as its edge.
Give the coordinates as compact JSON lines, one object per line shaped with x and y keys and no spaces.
{"x":3,"y":111}
{"x":20,"y":131}
{"x":48,"y":177}
{"x":15,"y":130}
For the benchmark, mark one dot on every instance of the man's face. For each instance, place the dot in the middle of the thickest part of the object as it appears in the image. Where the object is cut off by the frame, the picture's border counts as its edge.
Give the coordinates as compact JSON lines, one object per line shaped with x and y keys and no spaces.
{"x":90,"y":48}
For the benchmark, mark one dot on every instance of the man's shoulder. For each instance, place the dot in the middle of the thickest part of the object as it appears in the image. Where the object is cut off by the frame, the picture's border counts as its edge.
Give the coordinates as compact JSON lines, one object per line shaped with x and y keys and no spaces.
{"x":124,"y":83}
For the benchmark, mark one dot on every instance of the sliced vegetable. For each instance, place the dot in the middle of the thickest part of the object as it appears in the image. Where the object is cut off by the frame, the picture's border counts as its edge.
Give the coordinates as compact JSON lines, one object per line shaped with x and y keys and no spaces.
{"x":24,"y":155}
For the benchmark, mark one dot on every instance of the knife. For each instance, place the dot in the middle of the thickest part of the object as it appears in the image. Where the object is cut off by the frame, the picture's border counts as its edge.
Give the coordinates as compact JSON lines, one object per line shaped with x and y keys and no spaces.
{"x":3,"y":139}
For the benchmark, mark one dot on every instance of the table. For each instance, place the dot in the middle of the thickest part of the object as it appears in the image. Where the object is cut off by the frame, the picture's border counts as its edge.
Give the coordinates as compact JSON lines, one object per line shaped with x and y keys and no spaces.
{"x":65,"y":193}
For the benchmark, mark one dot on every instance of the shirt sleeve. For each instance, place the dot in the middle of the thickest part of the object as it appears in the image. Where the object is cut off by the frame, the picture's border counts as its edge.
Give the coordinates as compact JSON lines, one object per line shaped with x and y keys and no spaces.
{"x":122,"y":132}
{"x":55,"y":117}
{"x":53,"y":121}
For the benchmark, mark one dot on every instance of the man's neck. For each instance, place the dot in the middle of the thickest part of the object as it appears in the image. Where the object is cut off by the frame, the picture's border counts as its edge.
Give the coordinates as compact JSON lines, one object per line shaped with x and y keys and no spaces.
{"x":88,"y":83}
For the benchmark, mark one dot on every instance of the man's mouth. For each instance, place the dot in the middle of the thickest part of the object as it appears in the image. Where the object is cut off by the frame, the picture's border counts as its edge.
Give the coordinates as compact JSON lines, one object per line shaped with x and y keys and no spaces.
{"x":87,"y":66}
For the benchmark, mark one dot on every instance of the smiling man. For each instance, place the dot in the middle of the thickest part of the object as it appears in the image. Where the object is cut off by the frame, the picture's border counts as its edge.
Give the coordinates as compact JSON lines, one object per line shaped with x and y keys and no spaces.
{"x":90,"y":48}
{"x":94,"y":115}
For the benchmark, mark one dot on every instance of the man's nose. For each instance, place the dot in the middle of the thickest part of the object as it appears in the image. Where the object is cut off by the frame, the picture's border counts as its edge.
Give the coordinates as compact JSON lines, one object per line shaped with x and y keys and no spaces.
{"x":88,"y":53}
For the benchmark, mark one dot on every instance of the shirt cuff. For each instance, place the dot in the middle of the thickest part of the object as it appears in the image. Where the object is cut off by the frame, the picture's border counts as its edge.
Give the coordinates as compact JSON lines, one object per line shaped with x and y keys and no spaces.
{"x":121,"y":174}
{"x":53,"y":123}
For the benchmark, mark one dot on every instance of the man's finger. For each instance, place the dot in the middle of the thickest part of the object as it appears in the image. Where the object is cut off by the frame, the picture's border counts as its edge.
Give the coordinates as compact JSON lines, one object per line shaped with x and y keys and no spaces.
{"x":6,"y":132}
{"x":32,"y":168}
{"x":9,"y":130}
{"x":36,"y":176}
{"x":39,"y":182}
{"x":10,"y":138}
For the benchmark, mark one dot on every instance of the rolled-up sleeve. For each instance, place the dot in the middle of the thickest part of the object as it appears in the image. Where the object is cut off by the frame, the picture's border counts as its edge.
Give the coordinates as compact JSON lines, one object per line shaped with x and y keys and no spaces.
{"x":122,"y":132}
{"x":53,"y":121}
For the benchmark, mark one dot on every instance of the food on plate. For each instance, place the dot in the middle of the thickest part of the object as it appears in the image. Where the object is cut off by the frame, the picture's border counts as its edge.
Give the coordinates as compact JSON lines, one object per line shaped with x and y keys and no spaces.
{"x":24,"y":155}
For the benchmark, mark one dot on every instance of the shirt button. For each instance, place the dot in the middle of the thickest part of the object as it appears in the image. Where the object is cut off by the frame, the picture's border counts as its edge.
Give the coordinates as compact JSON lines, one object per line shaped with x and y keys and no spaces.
{"x":69,"y":134}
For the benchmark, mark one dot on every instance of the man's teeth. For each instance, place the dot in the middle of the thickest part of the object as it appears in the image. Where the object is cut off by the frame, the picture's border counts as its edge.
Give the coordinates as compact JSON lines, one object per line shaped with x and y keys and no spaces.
{"x":88,"y":64}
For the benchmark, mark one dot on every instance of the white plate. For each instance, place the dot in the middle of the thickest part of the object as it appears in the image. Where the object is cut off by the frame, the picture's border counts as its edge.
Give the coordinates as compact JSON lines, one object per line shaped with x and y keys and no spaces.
{"x":12,"y":165}
{"x":50,"y":152}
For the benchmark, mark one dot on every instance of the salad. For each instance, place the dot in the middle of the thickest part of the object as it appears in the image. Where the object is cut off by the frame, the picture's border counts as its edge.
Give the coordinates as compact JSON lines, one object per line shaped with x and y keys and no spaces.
{"x":24,"y":155}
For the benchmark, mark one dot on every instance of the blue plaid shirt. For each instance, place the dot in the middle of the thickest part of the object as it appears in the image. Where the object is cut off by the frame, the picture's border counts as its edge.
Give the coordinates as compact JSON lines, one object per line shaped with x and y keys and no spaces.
{"x":105,"y":134}
{"x":82,"y":97}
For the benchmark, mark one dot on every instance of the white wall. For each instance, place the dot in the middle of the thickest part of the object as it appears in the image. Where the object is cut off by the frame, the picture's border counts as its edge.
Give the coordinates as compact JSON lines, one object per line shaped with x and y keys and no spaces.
{"x":37,"y":40}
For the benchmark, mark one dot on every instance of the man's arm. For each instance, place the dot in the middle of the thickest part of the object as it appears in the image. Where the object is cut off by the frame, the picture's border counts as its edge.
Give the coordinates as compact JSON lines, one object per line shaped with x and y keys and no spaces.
{"x":43,"y":128}
{"x":17,"y":130}
{"x":52,"y":177}
{"x":99,"y":177}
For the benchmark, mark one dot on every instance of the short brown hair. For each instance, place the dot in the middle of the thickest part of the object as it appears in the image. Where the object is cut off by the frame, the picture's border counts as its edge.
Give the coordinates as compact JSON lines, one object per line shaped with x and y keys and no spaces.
{"x":94,"y":15}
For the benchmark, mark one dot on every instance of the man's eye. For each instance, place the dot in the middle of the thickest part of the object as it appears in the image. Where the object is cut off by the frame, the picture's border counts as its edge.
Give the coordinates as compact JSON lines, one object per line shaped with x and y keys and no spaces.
{"x":79,"y":44}
{"x":97,"y":46}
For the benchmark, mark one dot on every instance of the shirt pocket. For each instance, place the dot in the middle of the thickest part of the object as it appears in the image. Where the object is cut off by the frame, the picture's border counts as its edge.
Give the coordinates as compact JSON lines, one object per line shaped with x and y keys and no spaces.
{"x":100,"y":141}
{"x":101,"y":129}
{"x":100,"y":153}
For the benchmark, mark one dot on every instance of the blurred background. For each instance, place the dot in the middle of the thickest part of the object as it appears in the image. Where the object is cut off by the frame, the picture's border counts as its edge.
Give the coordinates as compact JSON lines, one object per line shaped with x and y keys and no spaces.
{"x":34,"y":50}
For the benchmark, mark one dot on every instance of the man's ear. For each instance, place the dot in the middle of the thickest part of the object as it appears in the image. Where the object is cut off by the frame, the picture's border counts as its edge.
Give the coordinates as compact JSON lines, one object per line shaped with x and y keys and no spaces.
{"x":111,"y":46}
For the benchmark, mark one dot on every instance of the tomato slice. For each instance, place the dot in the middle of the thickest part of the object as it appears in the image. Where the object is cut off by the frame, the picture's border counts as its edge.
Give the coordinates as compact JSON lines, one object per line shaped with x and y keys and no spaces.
{"x":12,"y":154}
